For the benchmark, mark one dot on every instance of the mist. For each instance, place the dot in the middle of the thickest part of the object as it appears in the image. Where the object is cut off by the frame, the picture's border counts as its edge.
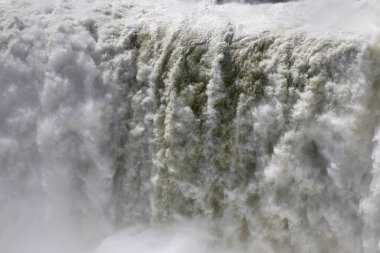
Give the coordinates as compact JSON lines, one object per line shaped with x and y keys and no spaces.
{"x":189,"y":126}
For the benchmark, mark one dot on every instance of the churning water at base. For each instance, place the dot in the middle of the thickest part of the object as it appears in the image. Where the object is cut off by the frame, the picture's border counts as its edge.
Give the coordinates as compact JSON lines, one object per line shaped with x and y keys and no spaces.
{"x":184,"y":126}
{"x":180,"y":238}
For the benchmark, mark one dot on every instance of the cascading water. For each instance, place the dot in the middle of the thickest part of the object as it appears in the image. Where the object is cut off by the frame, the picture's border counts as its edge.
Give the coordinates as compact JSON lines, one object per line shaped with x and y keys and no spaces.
{"x":177,"y":126}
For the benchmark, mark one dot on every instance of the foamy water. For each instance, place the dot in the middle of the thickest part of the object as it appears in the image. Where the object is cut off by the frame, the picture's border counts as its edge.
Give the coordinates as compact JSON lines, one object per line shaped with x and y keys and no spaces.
{"x":185,"y":126}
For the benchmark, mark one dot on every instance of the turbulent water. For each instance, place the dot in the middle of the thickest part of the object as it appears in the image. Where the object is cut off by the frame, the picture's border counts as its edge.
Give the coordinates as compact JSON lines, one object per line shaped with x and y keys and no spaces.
{"x":189,"y":126}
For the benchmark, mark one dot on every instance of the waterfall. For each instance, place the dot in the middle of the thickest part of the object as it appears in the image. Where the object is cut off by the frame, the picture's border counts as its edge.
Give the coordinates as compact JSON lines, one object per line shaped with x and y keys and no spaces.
{"x":189,"y":126}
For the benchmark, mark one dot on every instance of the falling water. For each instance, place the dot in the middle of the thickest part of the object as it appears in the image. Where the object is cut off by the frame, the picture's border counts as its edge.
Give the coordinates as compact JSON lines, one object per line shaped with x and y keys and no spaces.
{"x":180,"y":126}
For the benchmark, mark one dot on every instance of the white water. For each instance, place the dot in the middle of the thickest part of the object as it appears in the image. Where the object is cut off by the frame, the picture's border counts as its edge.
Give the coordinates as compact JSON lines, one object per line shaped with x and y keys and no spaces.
{"x":184,"y":126}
